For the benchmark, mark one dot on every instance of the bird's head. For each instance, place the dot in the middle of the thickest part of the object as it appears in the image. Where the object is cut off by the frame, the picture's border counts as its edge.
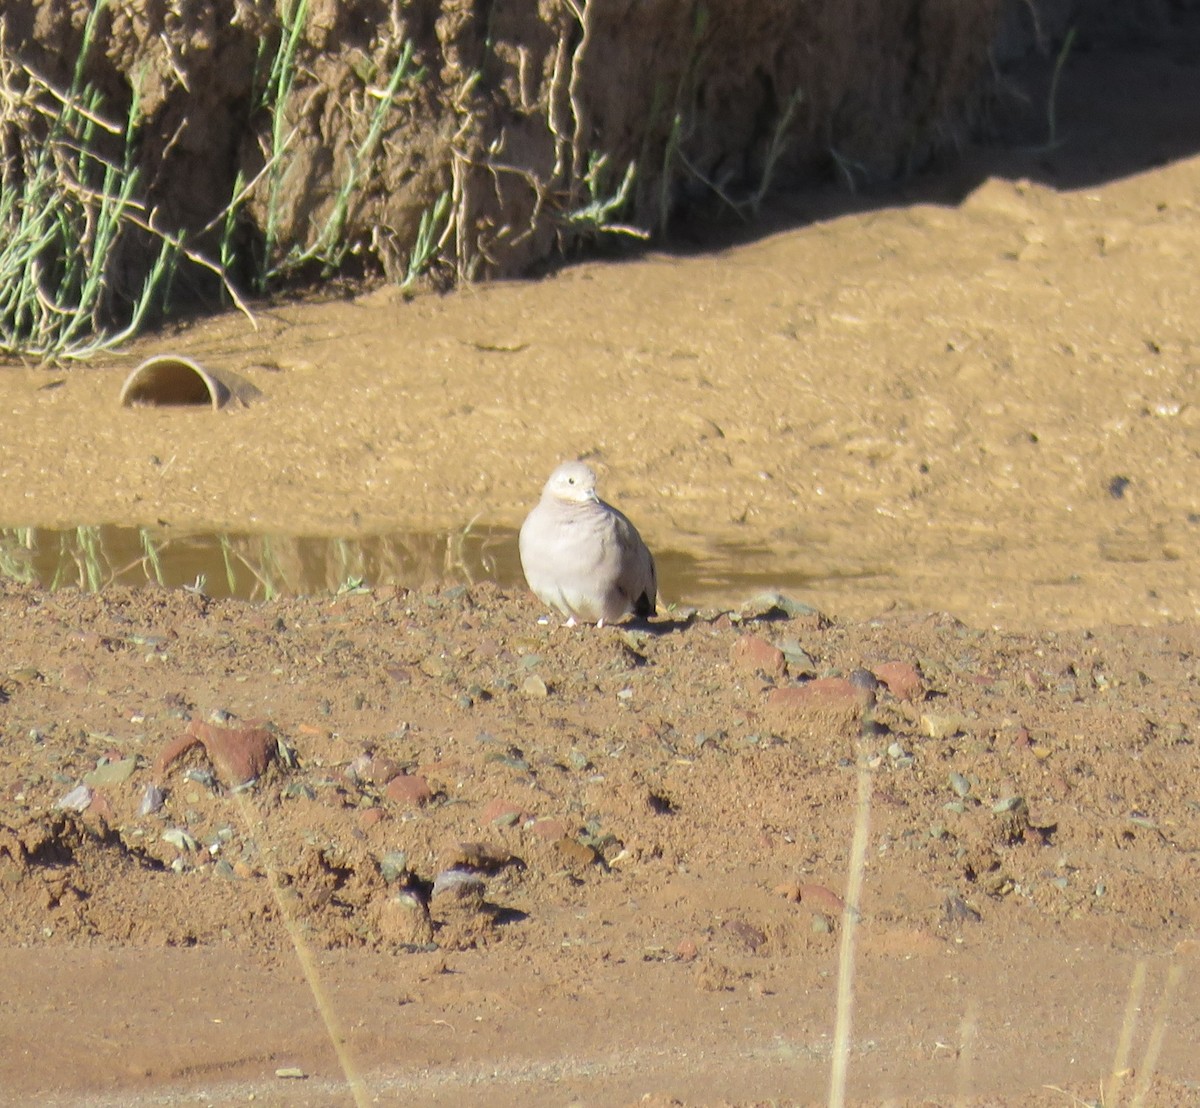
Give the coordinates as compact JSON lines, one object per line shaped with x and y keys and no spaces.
{"x":573,"y":482}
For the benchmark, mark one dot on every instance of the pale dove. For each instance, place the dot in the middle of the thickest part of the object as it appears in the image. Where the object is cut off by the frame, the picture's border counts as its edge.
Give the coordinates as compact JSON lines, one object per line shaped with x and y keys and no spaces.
{"x":582,"y":556}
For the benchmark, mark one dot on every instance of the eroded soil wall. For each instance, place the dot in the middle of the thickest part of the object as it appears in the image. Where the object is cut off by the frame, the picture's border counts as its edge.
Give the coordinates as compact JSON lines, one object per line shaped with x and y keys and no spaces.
{"x":534,"y":124}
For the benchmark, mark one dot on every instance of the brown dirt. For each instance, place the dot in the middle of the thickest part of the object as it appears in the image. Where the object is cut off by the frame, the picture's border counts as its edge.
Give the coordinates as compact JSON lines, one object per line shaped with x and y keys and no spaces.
{"x":946,"y":390}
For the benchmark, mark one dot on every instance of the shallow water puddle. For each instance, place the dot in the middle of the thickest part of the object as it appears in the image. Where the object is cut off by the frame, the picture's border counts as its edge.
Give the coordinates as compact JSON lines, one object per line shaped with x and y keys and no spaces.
{"x":253,"y":567}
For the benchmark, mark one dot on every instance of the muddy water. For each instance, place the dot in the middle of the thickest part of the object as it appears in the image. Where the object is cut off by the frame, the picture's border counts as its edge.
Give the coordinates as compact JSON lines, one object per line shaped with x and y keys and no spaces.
{"x":254,"y":567}
{"x":980,"y":395}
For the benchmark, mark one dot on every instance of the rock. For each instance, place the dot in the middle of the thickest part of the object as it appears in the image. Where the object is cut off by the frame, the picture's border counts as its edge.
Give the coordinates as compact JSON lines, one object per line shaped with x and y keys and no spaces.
{"x":957,"y":910}
{"x":393,"y":864}
{"x":773,"y":605}
{"x":819,"y":897}
{"x":77,"y":800}
{"x":458,"y":885}
{"x":111,"y":773}
{"x":152,"y":800}
{"x":375,"y":769}
{"x":747,"y":934}
{"x":409,"y":790}
{"x":179,"y":839}
{"x":549,"y":830}
{"x":942,"y":725}
{"x":826,"y":704}
{"x":903,"y":681}
{"x":240,"y":755}
{"x":534,"y":687}
{"x":752,"y":654}
{"x":574,"y":854}
{"x":799,"y":662}
{"x":77,"y":677}
{"x":502,"y":812}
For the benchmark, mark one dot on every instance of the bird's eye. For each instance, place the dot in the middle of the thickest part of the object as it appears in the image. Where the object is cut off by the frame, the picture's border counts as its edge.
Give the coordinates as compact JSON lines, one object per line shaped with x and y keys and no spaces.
{"x":570,"y":480}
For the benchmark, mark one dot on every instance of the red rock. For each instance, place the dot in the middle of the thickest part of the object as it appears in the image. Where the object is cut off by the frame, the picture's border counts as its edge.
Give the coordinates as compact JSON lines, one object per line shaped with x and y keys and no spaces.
{"x":826,"y":704}
{"x":499,"y":810}
{"x":687,"y":950}
{"x":747,"y":934}
{"x":409,"y":789}
{"x":902,"y":680}
{"x":753,"y":654}
{"x":238,"y":754}
{"x":77,"y":677}
{"x":818,"y":896}
{"x":369,"y":817}
{"x":100,"y":810}
{"x":378,"y":770}
{"x":173,"y":750}
{"x":549,"y":829}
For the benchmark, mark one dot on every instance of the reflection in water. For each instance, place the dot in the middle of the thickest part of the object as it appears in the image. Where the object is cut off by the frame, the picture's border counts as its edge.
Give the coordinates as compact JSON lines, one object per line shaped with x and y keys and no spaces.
{"x":264,"y":566}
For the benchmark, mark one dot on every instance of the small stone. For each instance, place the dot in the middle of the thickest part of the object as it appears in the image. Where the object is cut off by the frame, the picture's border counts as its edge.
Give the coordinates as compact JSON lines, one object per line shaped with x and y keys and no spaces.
{"x":409,"y":789}
{"x":79,"y":799}
{"x":501,"y":812}
{"x":1009,"y":804}
{"x":821,"y":924}
{"x":578,"y":760}
{"x":769,"y":605}
{"x":903,"y":681}
{"x":753,"y":654}
{"x":800,"y":663}
{"x":369,"y":817}
{"x":687,"y":950}
{"x":960,"y":785}
{"x":750,"y":936}
{"x":179,"y":839}
{"x":458,"y":885}
{"x":435,"y":666}
{"x":375,"y":769}
{"x":549,"y":830}
{"x":534,"y":687}
{"x":393,"y":864}
{"x":957,"y":910}
{"x":820,"y":897}
{"x":942,"y":725}
{"x":896,"y":751}
{"x":574,"y":854}
{"x":111,"y":773}
{"x":77,"y":677}
{"x":152,"y":800}
{"x":291,"y":1073}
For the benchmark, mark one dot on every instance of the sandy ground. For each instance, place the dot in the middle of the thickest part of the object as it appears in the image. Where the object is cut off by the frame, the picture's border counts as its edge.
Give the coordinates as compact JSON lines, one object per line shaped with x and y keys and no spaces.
{"x":495,"y":859}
